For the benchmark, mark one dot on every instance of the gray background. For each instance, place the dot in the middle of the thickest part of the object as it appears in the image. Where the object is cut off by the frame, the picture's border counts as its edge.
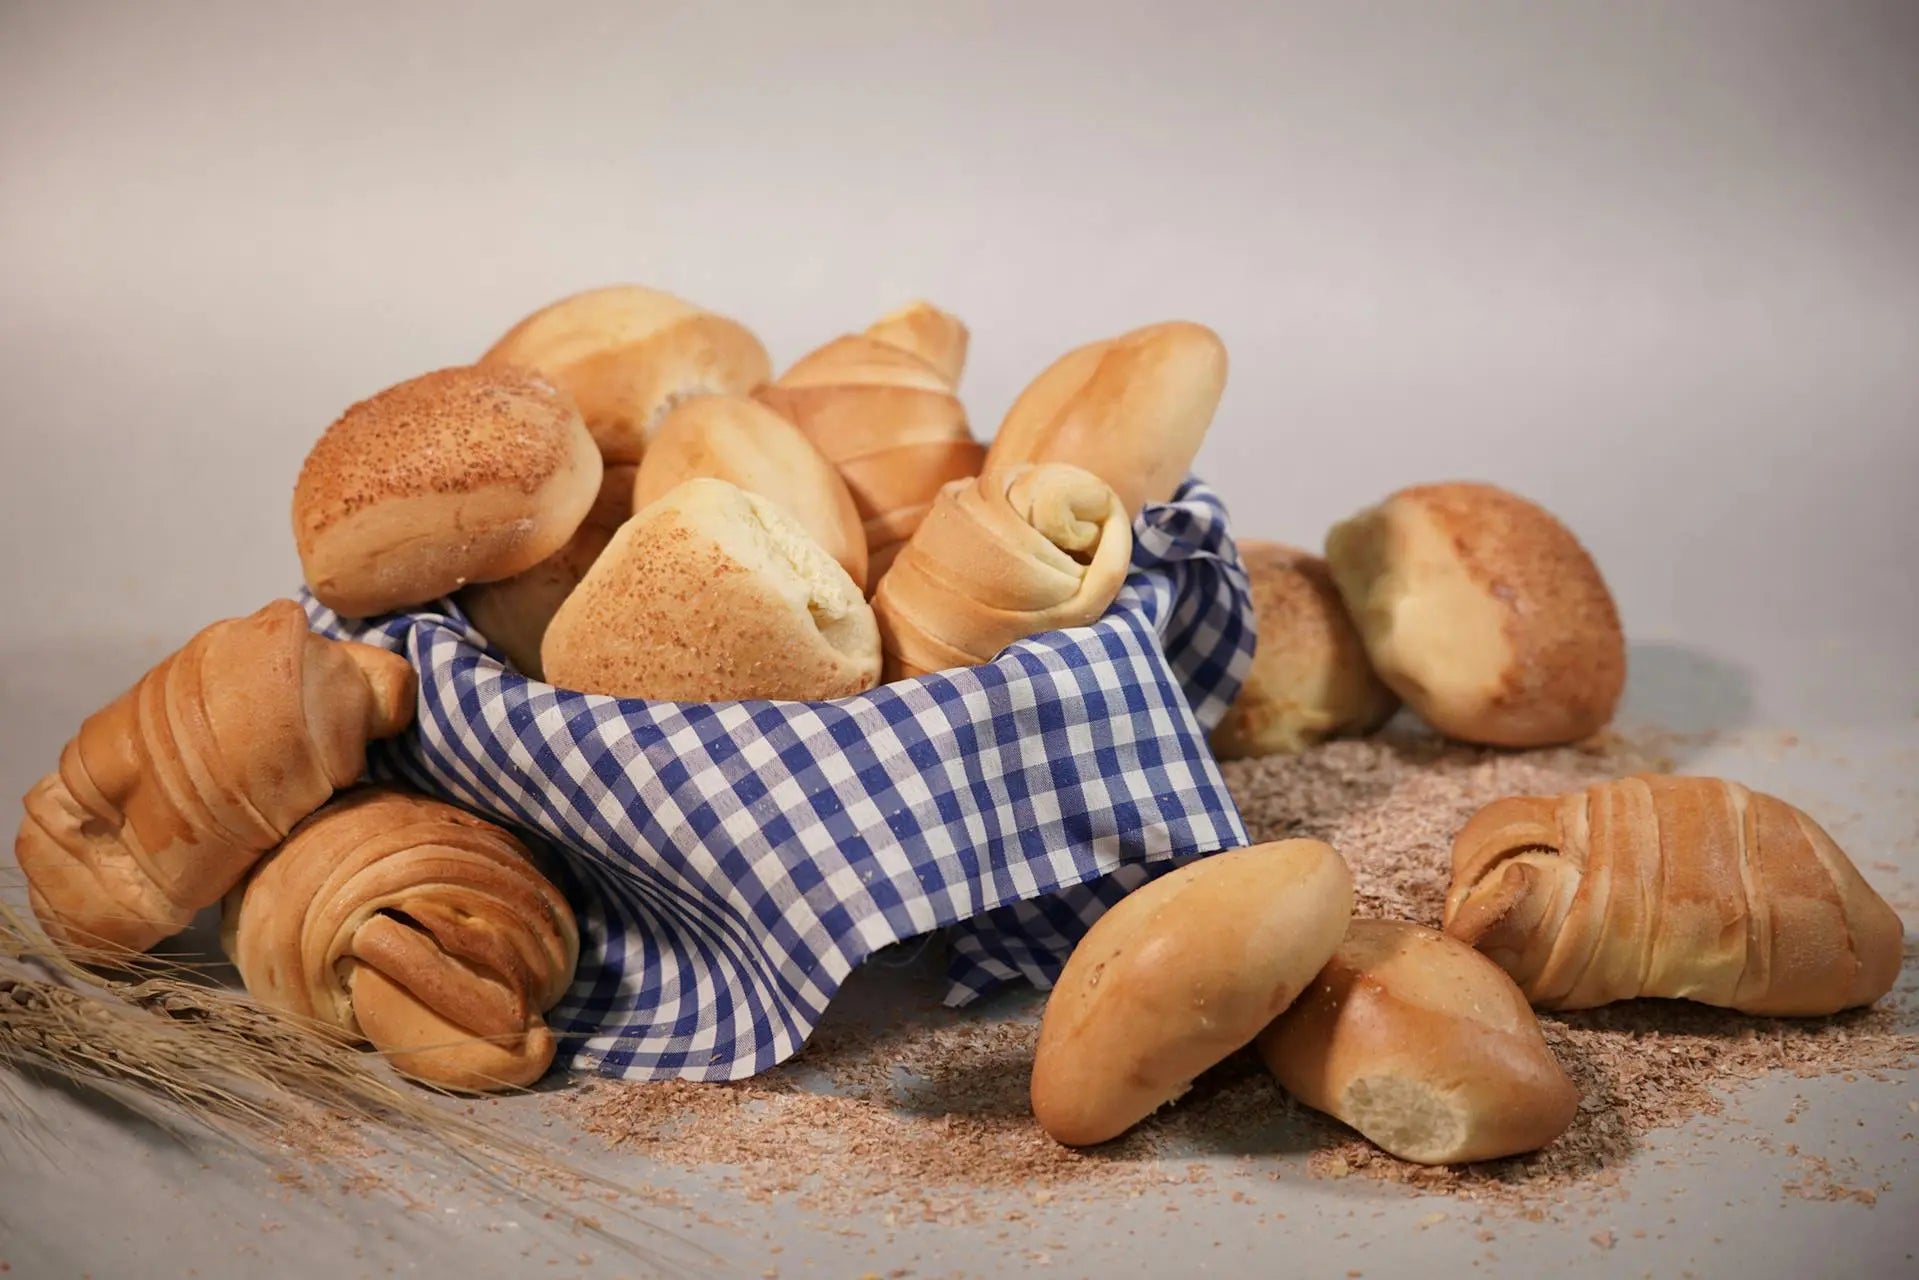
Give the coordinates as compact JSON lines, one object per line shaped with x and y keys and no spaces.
{"x":1654,"y":265}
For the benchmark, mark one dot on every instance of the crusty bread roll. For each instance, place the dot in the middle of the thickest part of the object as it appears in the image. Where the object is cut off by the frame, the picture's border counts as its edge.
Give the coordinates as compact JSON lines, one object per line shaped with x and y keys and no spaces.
{"x":1132,"y":410}
{"x":1182,"y":972}
{"x":462,"y":475}
{"x":1484,"y":613}
{"x":513,"y":613}
{"x":1686,"y":888}
{"x":627,"y":355}
{"x":713,"y":594}
{"x":1424,"y":1046}
{"x":1311,"y":679}
{"x":742,"y":441}
{"x":929,"y":333}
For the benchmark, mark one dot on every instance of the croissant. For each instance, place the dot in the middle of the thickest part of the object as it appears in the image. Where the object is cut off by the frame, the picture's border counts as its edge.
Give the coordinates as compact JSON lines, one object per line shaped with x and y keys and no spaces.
{"x":1018,"y":551}
{"x":413,"y":925}
{"x":880,"y":407}
{"x":1688,"y":888}
{"x":169,"y":794}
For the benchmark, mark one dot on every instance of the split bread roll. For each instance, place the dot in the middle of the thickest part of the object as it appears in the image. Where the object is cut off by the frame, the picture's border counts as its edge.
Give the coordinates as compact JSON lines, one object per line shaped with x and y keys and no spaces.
{"x":626,"y":355}
{"x":169,"y":793}
{"x":462,"y":475}
{"x":1484,"y":613}
{"x":414,"y":926}
{"x":1687,"y":888}
{"x":880,"y":407}
{"x":513,"y":613}
{"x":1178,"y":975}
{"x":1132,"y":410}
{"x":1000,"y":558}
{"x":743,"y":442}
{"x":713,"y":594}
{"x":1424,"y":1046}
{"x":1311,"y":679}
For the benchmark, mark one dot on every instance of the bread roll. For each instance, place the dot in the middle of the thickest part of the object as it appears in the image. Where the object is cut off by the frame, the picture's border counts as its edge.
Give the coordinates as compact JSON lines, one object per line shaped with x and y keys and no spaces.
{"x":1132,"y":410}
{"x":463,"y":475}
{"x":513,"y":613}
{"x":742,"y":441}
{"x":1181,"y":973}
{"x":1424,"y":1046}
{"x":929,"y":333}
{"x":1311,"y":679}
{"x":627,"y":355}
{"x":1484,"y":613}
{"x":713,"y":594}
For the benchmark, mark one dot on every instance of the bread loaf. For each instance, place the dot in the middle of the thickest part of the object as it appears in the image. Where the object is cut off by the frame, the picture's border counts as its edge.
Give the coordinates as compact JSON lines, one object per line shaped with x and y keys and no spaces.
{"x":929,"y":333}
{"x":1688,"y":888}
{"x":1132,"y":410}
{"x":626,"y":355}
{"x":513,"y":613}
{"x":743,"y":442}
{"x":458,"y":476}
{"x":1181,"y":973}
{"x":1311,"y":679}
{"x":1424,"y":1046}
{"x":712,"y":594}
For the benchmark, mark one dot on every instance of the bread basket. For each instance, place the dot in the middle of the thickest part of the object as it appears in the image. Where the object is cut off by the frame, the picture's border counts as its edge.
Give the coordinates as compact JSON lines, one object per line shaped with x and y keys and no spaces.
{"x":731,"y":863}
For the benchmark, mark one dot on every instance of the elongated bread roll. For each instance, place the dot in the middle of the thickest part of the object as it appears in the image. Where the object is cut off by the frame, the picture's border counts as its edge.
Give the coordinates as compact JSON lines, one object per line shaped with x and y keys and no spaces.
{"x":929,"y":333}
{"x":1182,"y":972}
{"x":458,"y":476}
{"x":627,"y":355}
{"x":1132,"y":410}
{"x":743,"y":442}
{"x":1000,"y":558}
{"x":1424,"y":1046}
{"x":713,"y":594}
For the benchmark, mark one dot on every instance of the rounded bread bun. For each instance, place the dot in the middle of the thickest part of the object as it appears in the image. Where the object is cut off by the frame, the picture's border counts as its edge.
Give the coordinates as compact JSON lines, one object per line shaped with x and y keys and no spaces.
{"x":933,"y":335}
{"x":628,"y":354}
{"x":1484,"y":613}
{"x":740,"y":440}
{"x":1178,"y":975}
{"x":1311,"y":679}
{"x":461,"y":475}
{"x":513,"y":613}
{"x":713,"y":594}
{"x":1424,"y":1046}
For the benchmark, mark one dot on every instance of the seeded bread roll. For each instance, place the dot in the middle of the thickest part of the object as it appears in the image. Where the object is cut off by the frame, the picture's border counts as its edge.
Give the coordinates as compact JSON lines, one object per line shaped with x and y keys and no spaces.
{"x":1484,"y":613}
{"x":1311,"y":679}
{"x":713,"y":594}
{"x":462,"y":475}
{"x":1424,"y":1046}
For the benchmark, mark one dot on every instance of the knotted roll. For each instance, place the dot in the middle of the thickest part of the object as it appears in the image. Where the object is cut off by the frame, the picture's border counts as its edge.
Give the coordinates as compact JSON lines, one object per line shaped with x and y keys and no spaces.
{"x":414,"y":926}
{"x":169,"y":793}
{"x":1689,"y":888}
{"x":1008,"y":555}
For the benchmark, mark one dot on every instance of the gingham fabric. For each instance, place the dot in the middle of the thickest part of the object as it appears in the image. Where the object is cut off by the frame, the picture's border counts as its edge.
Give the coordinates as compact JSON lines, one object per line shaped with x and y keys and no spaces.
{"x":731,"y":863}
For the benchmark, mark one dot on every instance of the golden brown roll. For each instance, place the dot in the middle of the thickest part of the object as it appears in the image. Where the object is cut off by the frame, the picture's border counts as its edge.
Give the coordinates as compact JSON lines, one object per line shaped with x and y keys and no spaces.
{"x":1424,"y":1046}
{"x":1311,"y":679}
{"x":1484,"y":613}
{"x":1686,"y":888}
{"x":929,"y":333}
{"x":414,"y":926}
{"x":458,"y":476}
{"x":169,"y":793}
{"x":1132,"y":410}
{"x":1000,"y":558}
{"x":627,"y":355}
{"x":713,"y":594}
{"x":743,"y":442}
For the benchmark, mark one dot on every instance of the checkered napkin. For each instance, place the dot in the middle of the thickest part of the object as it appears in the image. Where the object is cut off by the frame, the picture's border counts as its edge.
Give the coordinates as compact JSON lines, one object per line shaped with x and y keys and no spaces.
{"x":733,"y":862}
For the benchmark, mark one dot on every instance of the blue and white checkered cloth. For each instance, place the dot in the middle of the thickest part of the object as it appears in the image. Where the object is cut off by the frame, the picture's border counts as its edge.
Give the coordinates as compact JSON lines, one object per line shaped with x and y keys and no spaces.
{"x":731,"y":863}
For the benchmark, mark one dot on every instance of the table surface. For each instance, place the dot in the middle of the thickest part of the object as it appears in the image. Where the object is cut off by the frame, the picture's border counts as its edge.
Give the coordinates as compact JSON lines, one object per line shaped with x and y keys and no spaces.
{"x":1652,"y":266}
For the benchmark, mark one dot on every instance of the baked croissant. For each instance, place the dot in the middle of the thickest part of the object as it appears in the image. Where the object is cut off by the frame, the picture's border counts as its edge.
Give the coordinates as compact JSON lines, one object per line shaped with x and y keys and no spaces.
{"x":1688,"y":888}
{"x":1010,"y":554}
{"x":880,"y":407}
{"x":169,"y":793}
{"x":415,"y":926}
